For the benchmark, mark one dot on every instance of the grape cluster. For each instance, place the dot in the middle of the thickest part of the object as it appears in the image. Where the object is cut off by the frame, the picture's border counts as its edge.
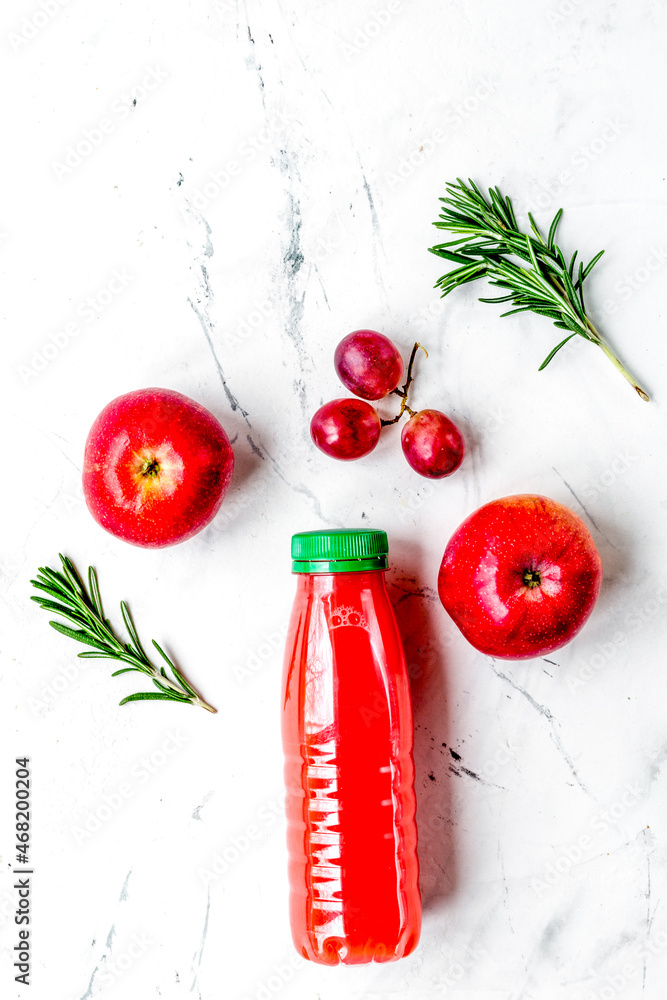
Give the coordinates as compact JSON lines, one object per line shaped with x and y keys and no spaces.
{"x":370,"y":366}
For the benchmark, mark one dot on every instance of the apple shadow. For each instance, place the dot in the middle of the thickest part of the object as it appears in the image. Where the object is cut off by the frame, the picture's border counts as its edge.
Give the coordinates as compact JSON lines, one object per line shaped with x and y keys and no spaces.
{"x":615,"y":546}
{"x":241,"y":499}
{"x":417,"y":609}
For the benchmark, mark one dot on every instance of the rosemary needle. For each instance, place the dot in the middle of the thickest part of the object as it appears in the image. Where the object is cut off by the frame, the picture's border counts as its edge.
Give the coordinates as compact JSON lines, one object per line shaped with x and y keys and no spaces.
{"x":487,"y":235}
{"x":69,"y":599}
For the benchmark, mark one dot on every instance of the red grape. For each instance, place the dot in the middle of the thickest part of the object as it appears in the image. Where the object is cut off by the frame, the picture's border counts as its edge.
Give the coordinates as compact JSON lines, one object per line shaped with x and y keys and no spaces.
{"x":345,"y":428}
{"x":432,"y":444}
{"x":368,"y":364}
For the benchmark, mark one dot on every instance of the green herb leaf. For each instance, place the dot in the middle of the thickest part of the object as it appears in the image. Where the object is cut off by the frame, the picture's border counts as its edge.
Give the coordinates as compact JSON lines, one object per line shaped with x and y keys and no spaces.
{"x":95,"y":592}
{"x":146,"y":696}
{"x":486,"y":244}
{"x":553,"y":227}
{"x":555,"y":351}
{"x":85,"y":610}
{"x":80,"y":635}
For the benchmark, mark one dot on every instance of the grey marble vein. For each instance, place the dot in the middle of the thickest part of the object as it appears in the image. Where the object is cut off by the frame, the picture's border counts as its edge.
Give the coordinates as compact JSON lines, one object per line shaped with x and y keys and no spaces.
{"x":197,"y":958}
{"x":546,"y":713}
{"x":201,"y":311}
{"x":586,"y":512}
{"x":123,"y":892}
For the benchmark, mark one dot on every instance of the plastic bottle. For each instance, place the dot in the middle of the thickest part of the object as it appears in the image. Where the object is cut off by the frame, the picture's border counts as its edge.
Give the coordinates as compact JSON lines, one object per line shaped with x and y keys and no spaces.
{"x":347,"y":737}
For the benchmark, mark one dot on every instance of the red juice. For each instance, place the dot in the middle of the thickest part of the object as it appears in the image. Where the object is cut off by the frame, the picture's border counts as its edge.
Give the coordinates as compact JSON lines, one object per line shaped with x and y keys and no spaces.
{"x":347,"y":737}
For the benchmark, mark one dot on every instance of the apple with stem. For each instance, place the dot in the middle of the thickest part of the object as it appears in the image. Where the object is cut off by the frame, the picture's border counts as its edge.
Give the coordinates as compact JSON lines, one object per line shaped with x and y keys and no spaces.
{"x":520,"y":576}
{"x":156,"y":467}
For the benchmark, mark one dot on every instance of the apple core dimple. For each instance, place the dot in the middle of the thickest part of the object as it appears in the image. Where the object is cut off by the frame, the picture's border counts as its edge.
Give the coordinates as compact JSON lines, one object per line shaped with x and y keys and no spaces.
{"x":150,"y":467}
{"x":531,"y":578}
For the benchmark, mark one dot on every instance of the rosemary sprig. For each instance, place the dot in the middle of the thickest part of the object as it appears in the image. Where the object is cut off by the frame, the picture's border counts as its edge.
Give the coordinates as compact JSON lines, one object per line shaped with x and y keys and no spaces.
{"x":68,"y":598}
{"x":486,"y":232}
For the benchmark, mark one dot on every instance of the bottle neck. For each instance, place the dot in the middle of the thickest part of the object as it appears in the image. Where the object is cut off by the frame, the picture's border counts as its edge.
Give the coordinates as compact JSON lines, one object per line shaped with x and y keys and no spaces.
{"x":326,"y":583}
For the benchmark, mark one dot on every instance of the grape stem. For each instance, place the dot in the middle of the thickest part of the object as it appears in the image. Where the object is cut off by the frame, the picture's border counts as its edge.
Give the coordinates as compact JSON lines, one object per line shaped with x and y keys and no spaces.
{"x":403,"y":392}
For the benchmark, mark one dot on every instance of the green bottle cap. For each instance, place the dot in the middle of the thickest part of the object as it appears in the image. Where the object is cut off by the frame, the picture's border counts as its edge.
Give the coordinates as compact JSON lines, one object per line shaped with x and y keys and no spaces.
{"x":339,"y":551}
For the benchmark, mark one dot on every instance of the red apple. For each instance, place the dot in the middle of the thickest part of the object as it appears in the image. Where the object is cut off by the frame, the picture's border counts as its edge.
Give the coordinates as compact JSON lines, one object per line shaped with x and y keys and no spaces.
{"x":520,"y":576}
{"x":156,"y":467}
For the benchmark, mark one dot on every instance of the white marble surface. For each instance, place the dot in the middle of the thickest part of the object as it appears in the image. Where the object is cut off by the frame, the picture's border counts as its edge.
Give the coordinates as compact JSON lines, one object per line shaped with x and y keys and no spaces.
{"x":544,"y":877}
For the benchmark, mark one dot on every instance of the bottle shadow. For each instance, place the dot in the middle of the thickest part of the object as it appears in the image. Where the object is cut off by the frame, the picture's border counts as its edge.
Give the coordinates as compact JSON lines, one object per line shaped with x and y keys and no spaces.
{"x":420,"y":617}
